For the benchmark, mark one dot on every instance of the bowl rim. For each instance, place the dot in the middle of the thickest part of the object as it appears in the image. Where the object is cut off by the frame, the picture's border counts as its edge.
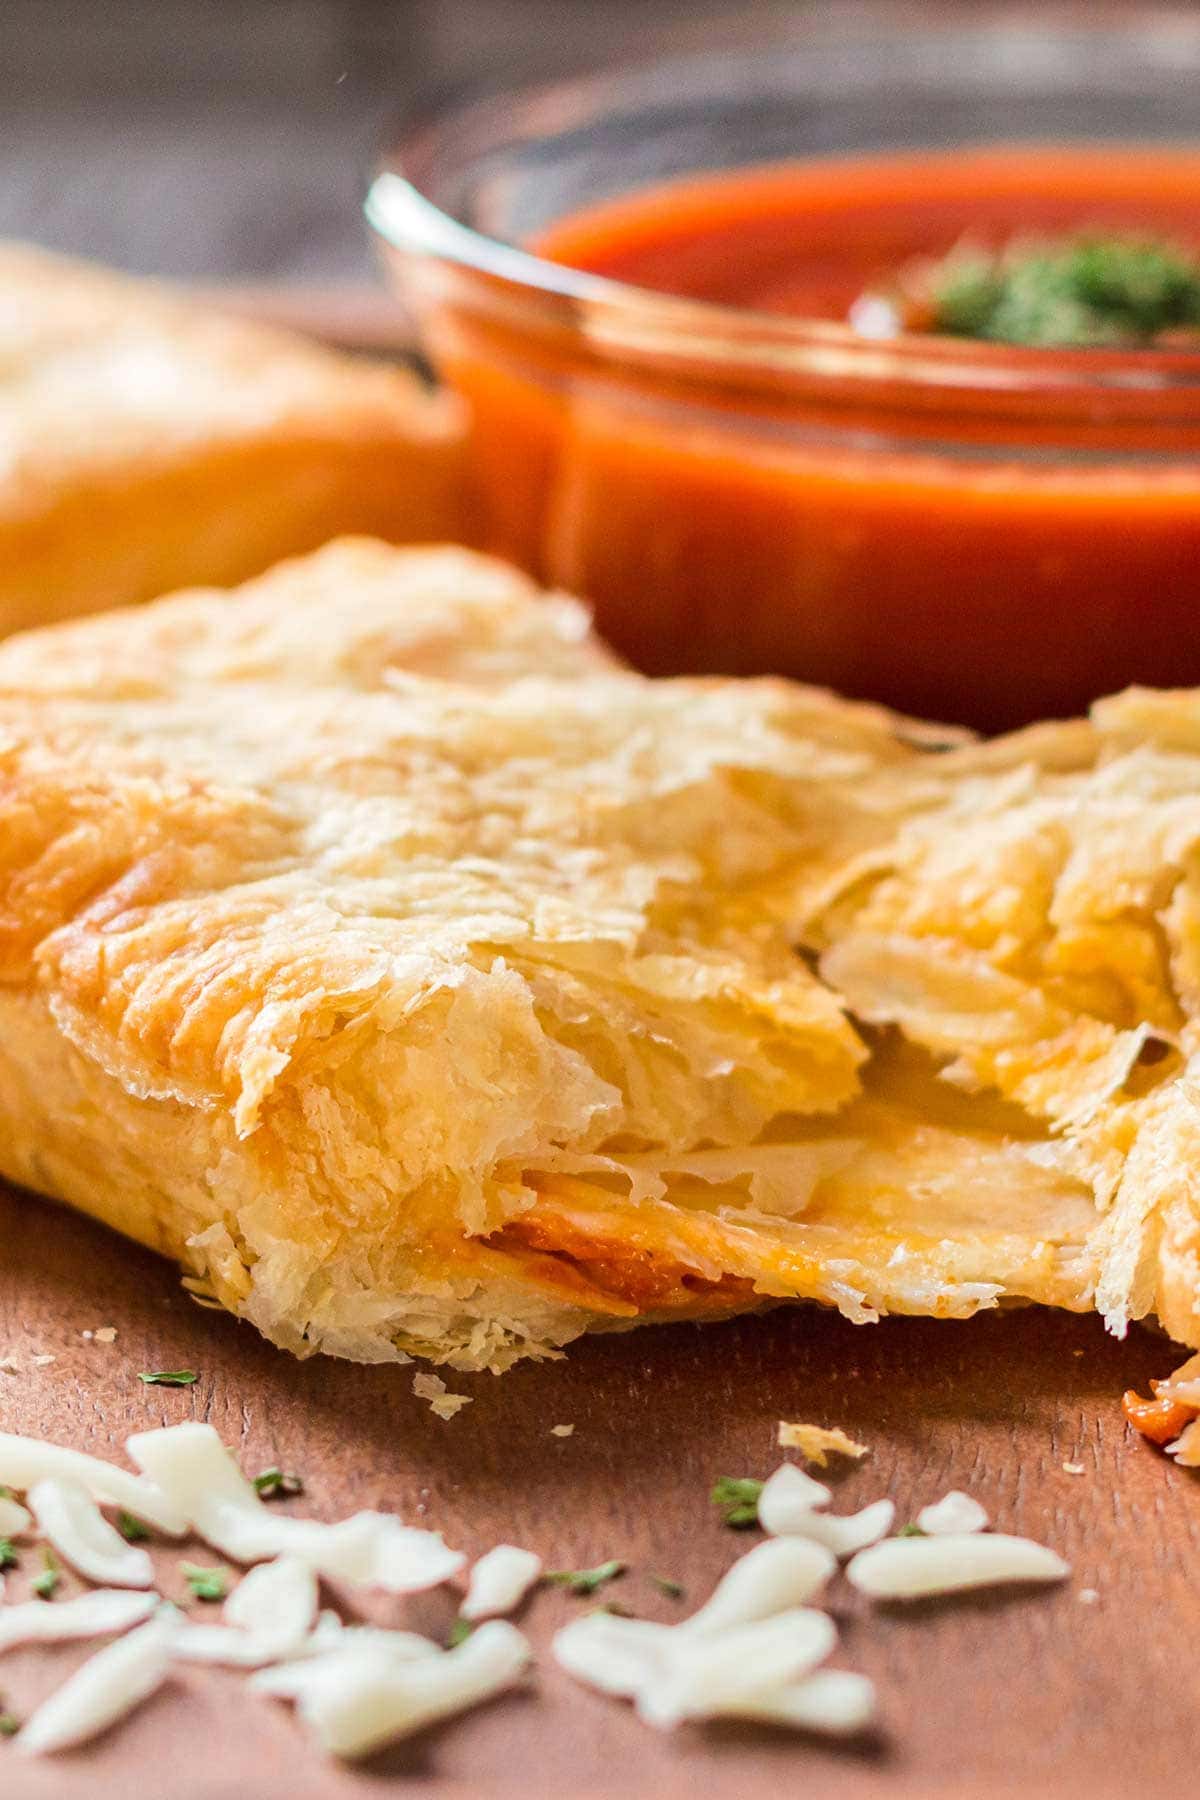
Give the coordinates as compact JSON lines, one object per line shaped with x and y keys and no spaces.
{"x":618,"y":317}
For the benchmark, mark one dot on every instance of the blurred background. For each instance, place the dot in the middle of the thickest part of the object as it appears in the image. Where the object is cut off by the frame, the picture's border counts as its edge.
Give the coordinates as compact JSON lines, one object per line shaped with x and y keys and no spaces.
{"x":230,"y":139}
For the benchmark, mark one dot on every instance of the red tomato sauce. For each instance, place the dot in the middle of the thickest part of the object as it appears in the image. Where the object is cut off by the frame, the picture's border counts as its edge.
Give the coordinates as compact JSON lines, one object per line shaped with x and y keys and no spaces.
{"x":805,"y":239}
{"x":988,"y":559}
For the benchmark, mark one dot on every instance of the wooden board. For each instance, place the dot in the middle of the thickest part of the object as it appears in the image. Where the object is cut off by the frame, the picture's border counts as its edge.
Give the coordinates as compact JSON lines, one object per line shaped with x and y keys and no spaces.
{"x":984,"y":1696}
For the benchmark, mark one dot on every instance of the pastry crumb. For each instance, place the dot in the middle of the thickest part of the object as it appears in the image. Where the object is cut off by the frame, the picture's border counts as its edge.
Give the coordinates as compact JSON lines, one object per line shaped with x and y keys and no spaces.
{"x":441,"y":1401}
{"x":449,"y":1404}
{"x":816,"y":1443}
{"x":561,"y":1430}
{"x":107,"y":1334}
{"x":42,"y":1362}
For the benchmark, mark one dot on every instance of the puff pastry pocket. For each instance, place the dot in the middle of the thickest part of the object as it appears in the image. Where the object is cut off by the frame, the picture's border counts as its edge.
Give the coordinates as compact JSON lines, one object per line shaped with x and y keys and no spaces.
{"x":425,"y":982}
{"x":150,"y":443}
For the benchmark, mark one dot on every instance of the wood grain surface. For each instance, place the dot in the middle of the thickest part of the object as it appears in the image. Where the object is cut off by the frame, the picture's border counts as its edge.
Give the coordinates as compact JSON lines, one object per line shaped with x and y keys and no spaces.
{"x":1034,"y":1693}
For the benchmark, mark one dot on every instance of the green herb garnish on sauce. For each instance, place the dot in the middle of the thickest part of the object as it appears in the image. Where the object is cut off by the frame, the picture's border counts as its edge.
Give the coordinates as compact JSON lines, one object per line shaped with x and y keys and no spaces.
{"x":1090,"y":292}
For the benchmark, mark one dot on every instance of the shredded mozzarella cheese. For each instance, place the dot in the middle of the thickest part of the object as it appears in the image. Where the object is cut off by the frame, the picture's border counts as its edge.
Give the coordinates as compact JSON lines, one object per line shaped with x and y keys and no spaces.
{"x":709,"y":1675}
{"x":91,"y":1615}
{"x":910,"y":1568}
{"x":276,"y":1603}
{"x":500,"y":1581}
{"x":69,"y":1519}
{"x":752,"y":1651}
{"x":107,"y":1687}
{"x":363,"y":1703}
{"x":618,"y":1656}
{"x":749,"y":1653}
{"x":846,"y":1533}
{"x":192,"y":1466}
{"x":835,"y":1702}
{"x":268,"y":1616}
{"x":25,"y":1461}
{"x":220,"y":1646}
{"x":788,"y":1497}
{"x":782,"y":1573}
{"x":14,"y":1518}
{"x":309,"y":1667}
{"x":954,"y":1515}
{"x":791,"y":1504}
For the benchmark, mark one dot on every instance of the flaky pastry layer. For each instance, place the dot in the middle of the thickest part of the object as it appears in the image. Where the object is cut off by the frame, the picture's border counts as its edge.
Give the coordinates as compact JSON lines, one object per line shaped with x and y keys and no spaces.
{"x":425,"y":982}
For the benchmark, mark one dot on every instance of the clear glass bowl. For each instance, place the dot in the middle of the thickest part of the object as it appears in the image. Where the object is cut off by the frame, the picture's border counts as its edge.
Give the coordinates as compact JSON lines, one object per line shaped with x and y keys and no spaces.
{"x":964,"y":530}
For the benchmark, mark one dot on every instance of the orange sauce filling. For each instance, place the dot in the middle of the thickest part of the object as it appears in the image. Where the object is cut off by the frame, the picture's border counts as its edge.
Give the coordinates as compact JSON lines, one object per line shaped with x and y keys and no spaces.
{"x":642,"y":1278}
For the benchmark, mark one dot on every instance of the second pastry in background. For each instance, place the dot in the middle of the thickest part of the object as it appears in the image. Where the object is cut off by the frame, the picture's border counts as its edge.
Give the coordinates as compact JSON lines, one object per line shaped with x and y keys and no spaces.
{"x":150,"y":443}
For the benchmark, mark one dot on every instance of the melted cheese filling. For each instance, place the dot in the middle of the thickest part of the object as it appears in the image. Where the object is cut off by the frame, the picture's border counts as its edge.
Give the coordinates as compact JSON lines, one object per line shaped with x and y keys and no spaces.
{"x":915,"y":1198}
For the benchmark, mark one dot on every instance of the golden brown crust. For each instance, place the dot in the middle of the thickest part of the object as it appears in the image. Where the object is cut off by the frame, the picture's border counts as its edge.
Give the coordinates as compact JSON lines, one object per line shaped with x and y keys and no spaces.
{"x":149,"y":444}
{"x":323,"y":913}
{"x":1036,"y":933}
{"x":422,"y":980}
